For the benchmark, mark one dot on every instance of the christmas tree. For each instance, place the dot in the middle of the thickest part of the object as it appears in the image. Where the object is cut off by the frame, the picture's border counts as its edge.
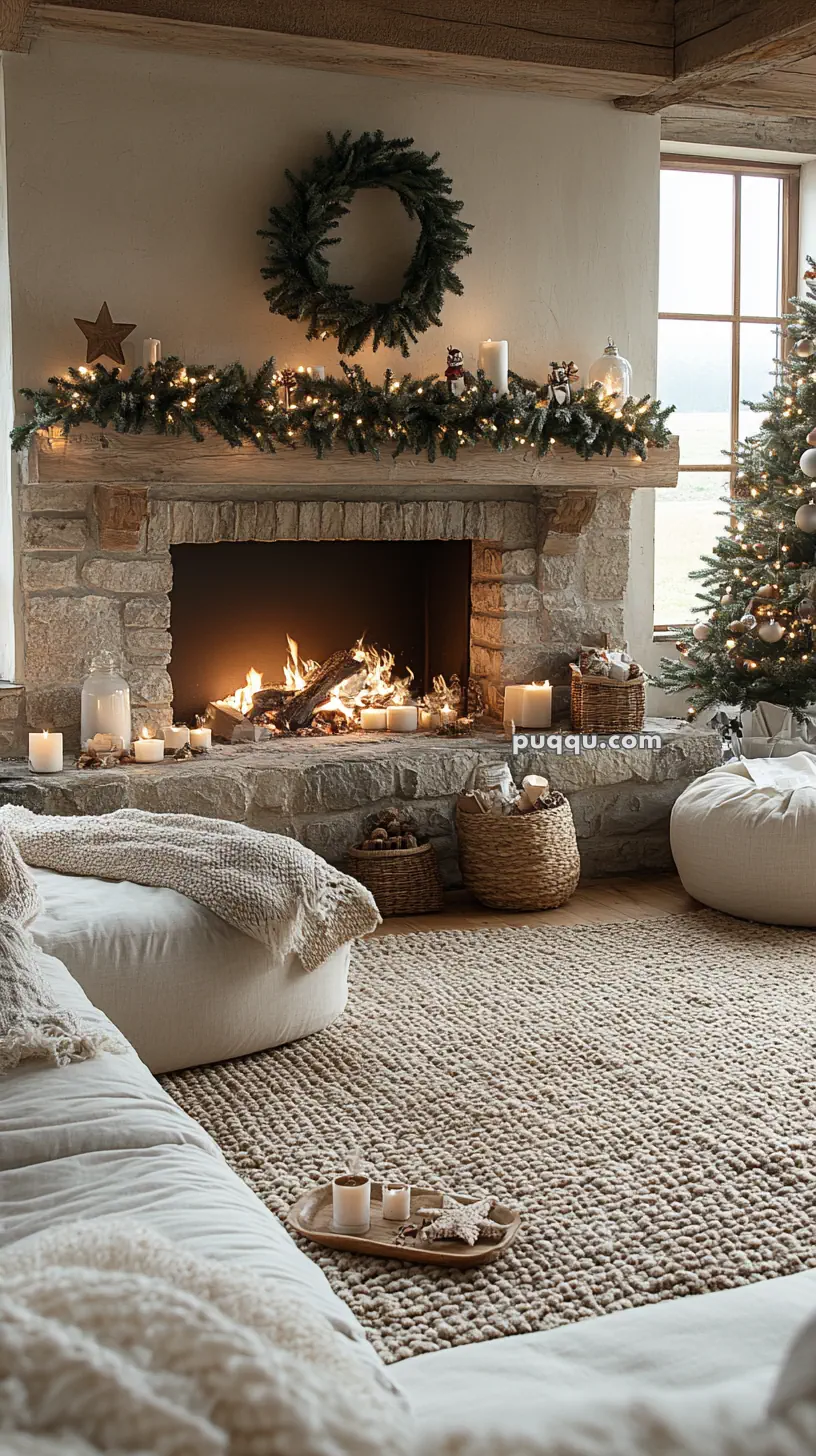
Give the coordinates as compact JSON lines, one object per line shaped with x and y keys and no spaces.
{"x":755,"y":640}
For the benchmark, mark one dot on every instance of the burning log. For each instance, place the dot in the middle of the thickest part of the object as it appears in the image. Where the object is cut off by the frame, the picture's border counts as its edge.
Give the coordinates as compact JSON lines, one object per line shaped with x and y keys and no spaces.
{"x":298,"y":712}
{"x":269,"y":700}
{"x":222,"y":718}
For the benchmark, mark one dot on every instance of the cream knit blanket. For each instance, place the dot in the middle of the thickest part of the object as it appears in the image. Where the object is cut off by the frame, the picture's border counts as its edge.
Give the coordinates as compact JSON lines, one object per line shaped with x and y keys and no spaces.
{"x":270,"y":887}
{"x":113,"y":1339}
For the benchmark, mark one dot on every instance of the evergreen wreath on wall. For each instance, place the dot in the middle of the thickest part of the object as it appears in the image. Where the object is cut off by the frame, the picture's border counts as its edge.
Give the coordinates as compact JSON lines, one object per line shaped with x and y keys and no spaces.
{"x":300,"y":232}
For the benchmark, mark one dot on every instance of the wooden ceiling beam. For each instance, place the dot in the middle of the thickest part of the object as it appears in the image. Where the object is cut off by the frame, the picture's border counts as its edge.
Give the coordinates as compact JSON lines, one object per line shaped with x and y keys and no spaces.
{"x":15,"y":32}
{"x":725,"y":126}
{"x":732,"y":45}
{"x":634,"y":39}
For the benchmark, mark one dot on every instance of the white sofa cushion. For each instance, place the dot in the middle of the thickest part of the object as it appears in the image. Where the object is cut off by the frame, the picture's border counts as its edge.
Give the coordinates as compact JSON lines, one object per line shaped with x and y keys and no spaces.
{"x":101,"y":1139}
{"x":743,"y":839}
{"x":691,"y":1363}
{"x":183,"y":986}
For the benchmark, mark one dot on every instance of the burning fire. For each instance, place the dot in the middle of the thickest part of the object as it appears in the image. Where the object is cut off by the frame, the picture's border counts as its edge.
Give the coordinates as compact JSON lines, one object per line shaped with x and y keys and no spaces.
{"x":375,"y":685}
{"x":242,"y":697}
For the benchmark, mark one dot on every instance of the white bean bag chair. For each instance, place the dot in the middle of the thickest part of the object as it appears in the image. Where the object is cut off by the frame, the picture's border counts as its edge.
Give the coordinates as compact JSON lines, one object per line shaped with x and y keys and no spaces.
{"x":183,"y":986}
{"x":744,"y":839}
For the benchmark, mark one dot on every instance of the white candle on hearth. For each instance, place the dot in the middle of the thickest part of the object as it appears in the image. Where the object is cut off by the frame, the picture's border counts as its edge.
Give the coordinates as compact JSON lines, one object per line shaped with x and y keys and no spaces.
{"x":351,"y":1203}
{"x":176,"y":735}
{"x":493,"y":361}
{"x":513,"y":702}
{"x":45,"y":752}
{"x":536,"y":707}
{"x":201,"y":737}
{"x":403,"y":719}
{"x":148,"y":750}
{"x":373,"y":720}
{"x":151,"y":352}
{"x":396,"y":1201}
{"x":426,"y":719}
{"x":447,"y":714}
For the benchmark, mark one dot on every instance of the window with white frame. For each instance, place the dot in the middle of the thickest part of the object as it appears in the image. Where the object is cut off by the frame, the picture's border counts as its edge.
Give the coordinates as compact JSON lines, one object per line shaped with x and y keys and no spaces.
{"x":728,"y":243}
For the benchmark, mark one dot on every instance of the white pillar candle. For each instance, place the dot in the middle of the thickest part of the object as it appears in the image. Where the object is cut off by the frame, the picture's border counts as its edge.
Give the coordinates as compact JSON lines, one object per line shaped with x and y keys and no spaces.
{"x":149,"y":750}
{"x":351,"y":1203}
{"x":176,"y":735}
{"x":513,"y":701}
{"x":396,"y":1201}
{"x":404,"y":719}
{"x":45,"y":752}
{"x":373,"y":720}
{"x":201,"y":737}
{"x":151,"y":352}
{"x":536,"y":707}
{"x":426,"y":719}
{"x":493,"y":363}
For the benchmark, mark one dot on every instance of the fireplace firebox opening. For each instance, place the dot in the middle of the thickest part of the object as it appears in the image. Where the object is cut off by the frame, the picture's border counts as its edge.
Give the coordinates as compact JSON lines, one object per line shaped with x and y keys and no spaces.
{"x":234,"y":604}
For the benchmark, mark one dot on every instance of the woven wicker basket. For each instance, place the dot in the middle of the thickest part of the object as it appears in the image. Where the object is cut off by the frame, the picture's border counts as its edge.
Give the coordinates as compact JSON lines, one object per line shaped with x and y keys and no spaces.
{"x":598,"y":705}
{"x":519,"y":861}
{"x":402,"y":881}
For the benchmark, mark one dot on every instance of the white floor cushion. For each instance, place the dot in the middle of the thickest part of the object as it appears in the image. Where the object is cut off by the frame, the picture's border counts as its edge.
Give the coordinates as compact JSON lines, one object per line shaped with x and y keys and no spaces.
{"x":183,"y":986}
{"x":744,"y":839}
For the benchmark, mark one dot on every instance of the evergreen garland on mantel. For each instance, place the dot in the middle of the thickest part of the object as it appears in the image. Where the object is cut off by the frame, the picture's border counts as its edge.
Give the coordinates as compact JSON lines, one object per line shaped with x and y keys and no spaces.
{"x":407,"y":414}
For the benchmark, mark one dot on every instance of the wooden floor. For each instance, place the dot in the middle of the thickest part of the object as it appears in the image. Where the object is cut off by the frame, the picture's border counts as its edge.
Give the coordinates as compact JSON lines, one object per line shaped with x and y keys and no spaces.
{"x":621,"y":897}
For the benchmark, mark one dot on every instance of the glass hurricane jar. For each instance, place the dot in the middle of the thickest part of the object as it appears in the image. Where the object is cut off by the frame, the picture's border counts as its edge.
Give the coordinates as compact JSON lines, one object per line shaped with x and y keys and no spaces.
{"x":105,"y":701}
{"x":613,"y":372}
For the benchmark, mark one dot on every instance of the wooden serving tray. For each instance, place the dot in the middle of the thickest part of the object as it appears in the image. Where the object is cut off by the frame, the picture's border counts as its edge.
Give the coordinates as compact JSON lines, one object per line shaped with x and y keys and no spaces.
{"x":311,"y":1216}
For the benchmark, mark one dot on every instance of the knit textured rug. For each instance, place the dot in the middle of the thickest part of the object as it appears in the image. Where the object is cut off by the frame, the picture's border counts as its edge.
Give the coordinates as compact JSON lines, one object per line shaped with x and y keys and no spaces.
{"x":644,"y":1093}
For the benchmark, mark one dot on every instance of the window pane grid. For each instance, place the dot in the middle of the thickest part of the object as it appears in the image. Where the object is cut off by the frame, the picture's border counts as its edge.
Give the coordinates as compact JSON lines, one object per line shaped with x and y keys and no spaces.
{"x":723,"y":367}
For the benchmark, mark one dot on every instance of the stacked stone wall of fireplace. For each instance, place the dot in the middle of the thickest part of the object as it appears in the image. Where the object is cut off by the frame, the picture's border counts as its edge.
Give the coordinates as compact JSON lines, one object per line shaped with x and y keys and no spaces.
{"x":550,"y":566}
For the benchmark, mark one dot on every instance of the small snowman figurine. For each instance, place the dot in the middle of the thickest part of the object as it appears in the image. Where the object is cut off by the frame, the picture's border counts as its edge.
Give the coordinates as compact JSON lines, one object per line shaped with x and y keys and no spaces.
{"x":455,"y":373}
{"x":559,"y":381}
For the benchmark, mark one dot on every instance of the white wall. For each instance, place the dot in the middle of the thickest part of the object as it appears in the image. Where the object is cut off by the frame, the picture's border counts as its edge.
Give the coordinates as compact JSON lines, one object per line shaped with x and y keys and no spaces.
{"x":141,"y":178}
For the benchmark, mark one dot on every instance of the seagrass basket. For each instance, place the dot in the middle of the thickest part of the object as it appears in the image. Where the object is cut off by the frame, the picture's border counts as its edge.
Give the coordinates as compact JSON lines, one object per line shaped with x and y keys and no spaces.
{"x":402,"y":881}
{"x":519,"y":861}
{"x":598,"y":705}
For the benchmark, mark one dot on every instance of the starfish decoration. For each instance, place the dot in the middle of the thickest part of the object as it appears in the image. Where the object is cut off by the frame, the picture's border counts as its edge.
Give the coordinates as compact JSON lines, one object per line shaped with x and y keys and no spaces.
{"x":466,"y":1221}
{"x":104,"y":336}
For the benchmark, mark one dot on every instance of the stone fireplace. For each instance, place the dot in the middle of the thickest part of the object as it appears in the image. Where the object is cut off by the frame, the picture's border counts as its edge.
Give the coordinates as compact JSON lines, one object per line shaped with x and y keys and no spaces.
{"x":106,"y":527}
{"x":103,"y":518}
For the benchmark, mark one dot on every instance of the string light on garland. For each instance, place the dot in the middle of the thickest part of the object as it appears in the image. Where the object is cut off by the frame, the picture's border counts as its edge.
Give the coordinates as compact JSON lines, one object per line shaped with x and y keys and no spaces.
{"x":410,"y":415}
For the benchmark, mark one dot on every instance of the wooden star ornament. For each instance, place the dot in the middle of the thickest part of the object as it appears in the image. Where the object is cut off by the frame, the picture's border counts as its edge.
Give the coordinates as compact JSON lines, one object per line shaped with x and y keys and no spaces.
{"x":468,"y":1222}
{"x":104,"y":336}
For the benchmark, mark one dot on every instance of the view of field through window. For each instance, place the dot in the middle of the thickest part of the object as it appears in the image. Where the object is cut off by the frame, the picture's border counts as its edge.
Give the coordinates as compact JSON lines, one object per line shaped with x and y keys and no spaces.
{"x":722,"y":291}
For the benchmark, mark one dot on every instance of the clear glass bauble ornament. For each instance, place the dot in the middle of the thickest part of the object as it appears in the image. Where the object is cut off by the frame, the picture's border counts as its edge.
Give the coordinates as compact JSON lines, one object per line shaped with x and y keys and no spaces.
{"x":803,"y":348}
{"x":612,"y":371}
{"x":806,"y":609}
{"x":105,"y":701}
{"x":748,"y":620}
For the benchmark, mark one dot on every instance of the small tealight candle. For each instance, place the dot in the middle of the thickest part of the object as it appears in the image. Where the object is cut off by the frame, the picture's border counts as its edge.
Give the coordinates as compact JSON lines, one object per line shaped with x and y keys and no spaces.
{"x":403,"y":719}
{"x":396,"y":1201}
{"x":148,"y":750}
{"x":45,"y":752}
{"x":351,"y":1203}
{"x":447,"y":714}
{"x":201,"y":737}
{"x":536,"y":707}
{"x":513,"y":703}
{"x":373,"y":720}
{"x":176,"y":735}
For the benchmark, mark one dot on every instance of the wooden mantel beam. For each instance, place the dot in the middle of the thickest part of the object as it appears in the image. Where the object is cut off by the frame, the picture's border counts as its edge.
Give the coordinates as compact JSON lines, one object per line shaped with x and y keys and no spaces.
{"x":720,"y":45}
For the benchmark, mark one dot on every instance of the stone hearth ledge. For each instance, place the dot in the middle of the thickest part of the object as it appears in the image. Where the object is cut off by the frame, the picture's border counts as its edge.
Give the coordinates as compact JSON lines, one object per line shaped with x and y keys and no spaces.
{"x":321,"y":791}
